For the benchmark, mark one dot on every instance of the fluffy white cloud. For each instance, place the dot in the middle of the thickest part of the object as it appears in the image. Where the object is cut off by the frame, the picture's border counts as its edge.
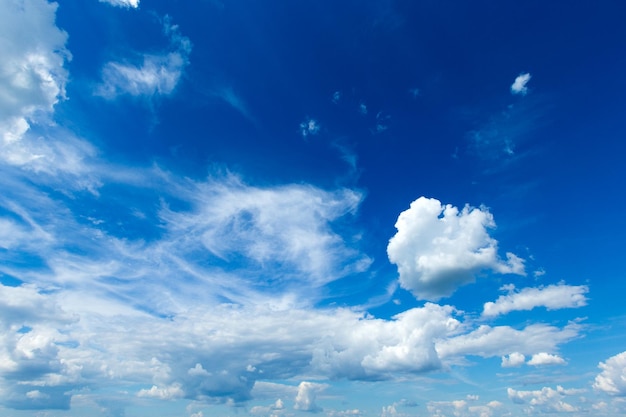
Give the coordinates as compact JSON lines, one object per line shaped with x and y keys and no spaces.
{"x":513,"y":360}
{"x":165,"y":393}
{"x":543,"y":358}
{"x":155,"y":75}
{"x":519,"y":85}
{"x":122,"y":3}
{"x":552,"y":297}
{"x":32,"y":73}
{"x":307,"y":394}
{"x":546,"y":399}
{"x":375,"y":349}
{"x":612,"y":379}
{"x":438,"y":248}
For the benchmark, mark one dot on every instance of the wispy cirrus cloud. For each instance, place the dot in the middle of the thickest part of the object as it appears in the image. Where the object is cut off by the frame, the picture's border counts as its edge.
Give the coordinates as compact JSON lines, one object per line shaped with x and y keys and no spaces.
{"x":155,"y":74}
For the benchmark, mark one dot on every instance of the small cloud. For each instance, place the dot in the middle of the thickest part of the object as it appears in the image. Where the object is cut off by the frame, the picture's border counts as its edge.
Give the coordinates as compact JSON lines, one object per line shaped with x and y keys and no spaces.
{"x":336,"y":97}
{"x":158,"y":74}
{"x":382,"y":121}
{"x":519,"y":85}
{"x":122,"y":3}
{"x":513,"y":360}
{"x":166,"y":393}
{"x":309,"y":127}
{"x":552,"y":297}
{"x":362,"y":108}
{"x":544,"y":358}
{"x":539,"y":272}
{"x":414,"y":92}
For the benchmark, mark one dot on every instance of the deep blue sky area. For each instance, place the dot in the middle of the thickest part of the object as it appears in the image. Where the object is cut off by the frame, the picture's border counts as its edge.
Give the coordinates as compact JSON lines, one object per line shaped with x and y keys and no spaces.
{"x":277,"y":209}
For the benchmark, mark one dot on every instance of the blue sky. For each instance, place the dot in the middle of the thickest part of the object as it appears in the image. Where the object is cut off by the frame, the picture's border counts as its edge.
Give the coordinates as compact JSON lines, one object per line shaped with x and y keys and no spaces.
{"x":345,"y":209}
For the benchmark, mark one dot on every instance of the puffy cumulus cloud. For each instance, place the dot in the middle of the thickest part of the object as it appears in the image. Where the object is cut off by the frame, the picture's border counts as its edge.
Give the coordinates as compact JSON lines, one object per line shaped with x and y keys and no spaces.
{"x":487,"y":341}
{"x":122,"y":3}
{"x":376,"y":349}
{"x":273,"y":410}
{"x":156,"y":75}
{"x":513,"y":360}
{"x":612,"y":379}
{"x":519,"y":85}
{"x":32,"y":72}
{"x":164,"y":393}
{"x":543,"y":358}
{"x":306,"y":396}
{"x":438,"y":248}
{"x":309,"y":127}
{"x":33,"y":341}
{"x":552,"y":297}
{"x":547,"y":400}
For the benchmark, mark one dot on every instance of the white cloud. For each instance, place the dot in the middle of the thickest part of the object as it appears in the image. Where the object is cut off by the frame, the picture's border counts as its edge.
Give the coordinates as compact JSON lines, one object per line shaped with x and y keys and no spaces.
{"x":306,"y":396}
{"x":166,"y":393}
{"x":362,"y":108}
{"x":122,"y":3}
{"x":158,"y":74}
{"x":513,"y":360}
{"x":437,"y":248}
{"x":612,"y":379}
{"x":463,"y":408}
{"x":286,"y":231}
{"x":519,"y":85}
{"x":309,"y":127}
{"x":32,"y":73}
{"x":376,"y":349}
{"x":543,"y":358}
{"x":552,"y":297}
{"x":199,"y":311}
{"x":336,"y":97}
{"x":487,"y":341}
{"x":547,"y":399}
